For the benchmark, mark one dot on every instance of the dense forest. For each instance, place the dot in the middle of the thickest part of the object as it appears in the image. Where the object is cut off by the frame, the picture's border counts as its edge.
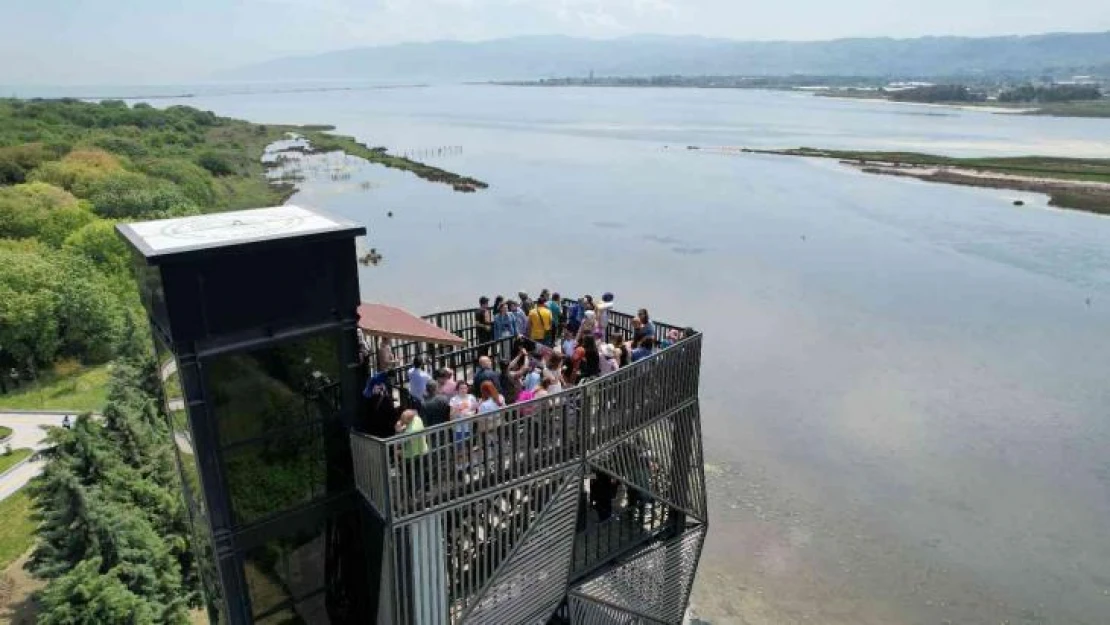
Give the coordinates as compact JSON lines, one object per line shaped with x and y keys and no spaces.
{"x":112,"y":538}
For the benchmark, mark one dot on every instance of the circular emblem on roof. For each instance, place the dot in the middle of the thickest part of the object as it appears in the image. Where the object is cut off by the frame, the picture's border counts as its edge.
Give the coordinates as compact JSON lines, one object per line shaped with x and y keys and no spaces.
{"x":232,"y":227}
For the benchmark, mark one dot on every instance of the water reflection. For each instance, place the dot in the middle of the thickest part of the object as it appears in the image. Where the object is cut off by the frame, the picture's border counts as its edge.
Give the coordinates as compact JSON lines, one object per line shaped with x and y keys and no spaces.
{"x":903,"y":385}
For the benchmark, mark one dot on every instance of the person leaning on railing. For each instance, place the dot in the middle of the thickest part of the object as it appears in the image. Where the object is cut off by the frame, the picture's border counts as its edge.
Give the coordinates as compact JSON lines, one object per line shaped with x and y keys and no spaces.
{"x":413,"y":450}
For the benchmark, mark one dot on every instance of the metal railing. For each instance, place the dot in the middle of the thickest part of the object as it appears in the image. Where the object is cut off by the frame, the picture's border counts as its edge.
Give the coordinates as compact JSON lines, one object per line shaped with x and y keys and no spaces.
{"x":459,"y":501}
{"x":454,"y":460}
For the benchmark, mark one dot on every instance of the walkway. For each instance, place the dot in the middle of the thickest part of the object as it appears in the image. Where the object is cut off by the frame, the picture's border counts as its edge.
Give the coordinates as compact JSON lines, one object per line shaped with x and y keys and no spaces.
{"x":27,"y":431}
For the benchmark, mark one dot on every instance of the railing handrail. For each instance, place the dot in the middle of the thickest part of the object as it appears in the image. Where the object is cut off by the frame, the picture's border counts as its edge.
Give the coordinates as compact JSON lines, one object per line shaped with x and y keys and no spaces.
{"x":623,"y":372}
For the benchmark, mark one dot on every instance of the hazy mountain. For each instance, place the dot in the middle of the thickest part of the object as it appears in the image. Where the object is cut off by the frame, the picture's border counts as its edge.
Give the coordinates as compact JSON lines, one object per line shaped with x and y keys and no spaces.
{"x":645,"y":55}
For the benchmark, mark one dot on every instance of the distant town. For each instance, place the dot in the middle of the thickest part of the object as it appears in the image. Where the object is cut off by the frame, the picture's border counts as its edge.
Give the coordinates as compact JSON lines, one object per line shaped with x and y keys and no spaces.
{"x":1079,"y":95}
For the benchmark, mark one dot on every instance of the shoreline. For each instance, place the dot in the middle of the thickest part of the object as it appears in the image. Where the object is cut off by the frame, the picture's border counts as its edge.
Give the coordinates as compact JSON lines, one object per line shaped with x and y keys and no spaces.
{"x":320,"y":140}
{"x":1079,"y":108}
{"x":1073,"y":184}
{"x":959,"y":106}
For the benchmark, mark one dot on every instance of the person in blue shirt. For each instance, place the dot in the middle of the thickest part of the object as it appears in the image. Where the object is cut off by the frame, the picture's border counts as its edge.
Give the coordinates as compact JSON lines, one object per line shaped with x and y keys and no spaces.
{"x":418,"y":380}
{"x":504,"y":324}
{"x":645,"y":349}
{"x":574,"y":314}
{"x":521,"y":319}
{"x":649,"y":327}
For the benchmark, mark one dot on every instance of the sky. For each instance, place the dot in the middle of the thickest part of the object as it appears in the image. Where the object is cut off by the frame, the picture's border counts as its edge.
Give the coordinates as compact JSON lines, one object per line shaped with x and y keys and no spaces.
{"x":57,"y":42}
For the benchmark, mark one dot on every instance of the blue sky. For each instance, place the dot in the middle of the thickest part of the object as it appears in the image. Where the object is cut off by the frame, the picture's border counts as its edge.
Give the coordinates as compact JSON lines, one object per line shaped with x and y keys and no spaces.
{"x":159,"y":41}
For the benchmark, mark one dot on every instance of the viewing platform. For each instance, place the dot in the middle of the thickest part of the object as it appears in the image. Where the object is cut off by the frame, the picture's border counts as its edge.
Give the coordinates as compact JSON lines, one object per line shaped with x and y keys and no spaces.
{"x":584,"y":506}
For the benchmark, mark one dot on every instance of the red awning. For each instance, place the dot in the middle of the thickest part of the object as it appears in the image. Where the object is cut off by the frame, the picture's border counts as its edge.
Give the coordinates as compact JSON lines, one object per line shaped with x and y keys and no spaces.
{"x":383,"y":320}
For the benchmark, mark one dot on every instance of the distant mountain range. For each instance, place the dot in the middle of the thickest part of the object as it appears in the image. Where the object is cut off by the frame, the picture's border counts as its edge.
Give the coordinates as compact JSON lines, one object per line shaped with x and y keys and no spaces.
{"x":524,"y":58}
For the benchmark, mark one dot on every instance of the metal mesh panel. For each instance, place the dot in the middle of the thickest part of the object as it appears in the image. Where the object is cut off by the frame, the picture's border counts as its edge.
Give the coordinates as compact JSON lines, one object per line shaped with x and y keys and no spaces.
{"x":663,"y":460}
{"x":655,"y":582}
{"x":584,"y":611}
{"x":532,"y":582}
{"x":469,"y":544}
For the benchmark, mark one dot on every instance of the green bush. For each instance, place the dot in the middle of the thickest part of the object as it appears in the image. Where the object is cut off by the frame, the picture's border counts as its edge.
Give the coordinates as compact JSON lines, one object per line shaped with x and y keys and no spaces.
{"x":194,"y":181}
{"x":99,"y":243}
{"x":125,"y":194}
{"x":25,"y":208}
{"x":217,"y":163}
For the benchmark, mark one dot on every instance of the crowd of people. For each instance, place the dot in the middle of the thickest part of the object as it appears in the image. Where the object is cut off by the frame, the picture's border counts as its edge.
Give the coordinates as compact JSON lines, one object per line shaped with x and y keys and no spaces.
{"x":527,"y":349}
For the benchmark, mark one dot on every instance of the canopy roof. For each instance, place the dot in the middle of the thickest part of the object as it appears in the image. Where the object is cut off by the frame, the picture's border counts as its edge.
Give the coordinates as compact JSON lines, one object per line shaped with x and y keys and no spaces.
{"x":392,"y":322}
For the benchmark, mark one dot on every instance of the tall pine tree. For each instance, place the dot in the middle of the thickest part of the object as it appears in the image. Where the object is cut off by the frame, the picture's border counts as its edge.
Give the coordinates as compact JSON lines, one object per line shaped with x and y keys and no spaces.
{"x":109,"y":504}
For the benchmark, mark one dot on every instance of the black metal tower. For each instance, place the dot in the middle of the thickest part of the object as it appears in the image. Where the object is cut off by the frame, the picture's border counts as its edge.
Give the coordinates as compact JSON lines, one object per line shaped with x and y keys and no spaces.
{"x":253,"y":315}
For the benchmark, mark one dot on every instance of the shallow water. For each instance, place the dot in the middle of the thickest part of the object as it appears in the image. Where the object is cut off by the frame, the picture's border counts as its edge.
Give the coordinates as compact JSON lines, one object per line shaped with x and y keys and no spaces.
{"x":904,"y":385}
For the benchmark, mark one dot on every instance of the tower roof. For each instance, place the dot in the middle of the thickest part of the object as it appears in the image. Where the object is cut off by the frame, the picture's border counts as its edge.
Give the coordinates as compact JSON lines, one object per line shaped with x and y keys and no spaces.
{"x":165,"y":239}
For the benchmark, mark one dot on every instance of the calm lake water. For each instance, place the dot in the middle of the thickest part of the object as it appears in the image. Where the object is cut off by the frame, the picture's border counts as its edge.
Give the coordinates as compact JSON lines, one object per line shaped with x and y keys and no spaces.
{"x":905,"y":396}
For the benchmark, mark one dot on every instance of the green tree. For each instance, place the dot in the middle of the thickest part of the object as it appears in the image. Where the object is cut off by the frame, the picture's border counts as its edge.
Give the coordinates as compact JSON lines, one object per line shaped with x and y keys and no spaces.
{"x":25,"y":208}
{"x":29,"y":327}
{"x":99,"y":243}
{"x":54,"y":303}
{"x":86,"y":596}
{"x":93,"y":504}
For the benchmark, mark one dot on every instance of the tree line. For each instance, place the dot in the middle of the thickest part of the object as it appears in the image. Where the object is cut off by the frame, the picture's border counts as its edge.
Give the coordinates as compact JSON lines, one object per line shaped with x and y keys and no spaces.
{"x":113,"y":538}
{"x":69,"y":171}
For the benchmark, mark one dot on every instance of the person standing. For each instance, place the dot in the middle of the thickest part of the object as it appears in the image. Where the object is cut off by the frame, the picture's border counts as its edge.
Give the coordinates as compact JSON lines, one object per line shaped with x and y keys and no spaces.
{"x":435,"y":409}
{"x":463,"y":405}
{"x":418,"y":380}
{"x":485,"y":373}
{"x":556,"y":308}
{"x":525,"y":302}
{"x":649,"y":327}
{"x":364,"y":346}
{"x":539,"y":323}
{"x":413,"y":451}
{"x":483,"y":323}
{"x":590,"y":363}
{"x":491,"y":398}
{"x":384,"y":359}
{"x":647,"y":346}
{"x":521,"y":319}
{"x":623,"y":353}
{"x":381,"y":412}
{"x":445,"y":379}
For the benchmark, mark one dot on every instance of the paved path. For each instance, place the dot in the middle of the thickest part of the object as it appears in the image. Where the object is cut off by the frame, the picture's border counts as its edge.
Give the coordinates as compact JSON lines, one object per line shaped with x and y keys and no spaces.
{"x":26,"y":432}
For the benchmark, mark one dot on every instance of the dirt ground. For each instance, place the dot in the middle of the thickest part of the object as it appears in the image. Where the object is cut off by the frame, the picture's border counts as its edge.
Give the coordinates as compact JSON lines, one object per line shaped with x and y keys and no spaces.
{"x":16,"y":586}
